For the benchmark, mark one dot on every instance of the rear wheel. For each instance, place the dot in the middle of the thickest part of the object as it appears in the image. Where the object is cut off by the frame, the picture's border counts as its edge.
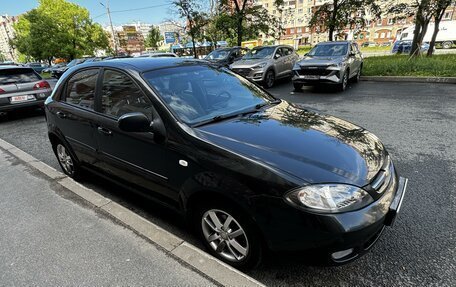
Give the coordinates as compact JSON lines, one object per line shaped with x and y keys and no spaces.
{"x":447,"y":45}
{"x":269,"y":79}
{"x":297,"y":86}
{"x":229,"y":235}
{"x":66,"y":160}
{"x":358,"y":75}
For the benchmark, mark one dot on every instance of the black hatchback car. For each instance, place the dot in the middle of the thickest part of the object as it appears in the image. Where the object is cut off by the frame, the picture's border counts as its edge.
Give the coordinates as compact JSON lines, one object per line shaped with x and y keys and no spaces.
{"x":248,"y":171}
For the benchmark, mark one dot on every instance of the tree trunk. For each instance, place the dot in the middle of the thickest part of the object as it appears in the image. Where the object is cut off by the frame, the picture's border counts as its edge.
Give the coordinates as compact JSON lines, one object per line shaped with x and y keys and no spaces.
{"x":49,"y":61}
{"x":415,"y":50}
{"x":332,"y":25}
{"x":331,"y":33}
{"x":438,"y":17}
{"x":239,"y":30}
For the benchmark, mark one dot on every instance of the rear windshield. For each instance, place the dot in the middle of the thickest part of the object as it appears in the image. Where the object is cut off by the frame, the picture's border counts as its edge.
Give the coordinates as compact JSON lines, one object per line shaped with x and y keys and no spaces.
{"x":18,"y":75}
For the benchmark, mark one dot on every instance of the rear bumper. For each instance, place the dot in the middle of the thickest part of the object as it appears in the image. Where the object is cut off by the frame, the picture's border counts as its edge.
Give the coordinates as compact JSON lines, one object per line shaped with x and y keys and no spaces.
{"x":7,"y":107}
{"x":339,"y":238}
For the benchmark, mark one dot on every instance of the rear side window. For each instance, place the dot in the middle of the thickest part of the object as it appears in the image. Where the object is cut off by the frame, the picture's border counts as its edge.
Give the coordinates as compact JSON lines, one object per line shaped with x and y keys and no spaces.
{"x":81,"y":89}
{"x":120,"y":95}
{"x":18,"y":76}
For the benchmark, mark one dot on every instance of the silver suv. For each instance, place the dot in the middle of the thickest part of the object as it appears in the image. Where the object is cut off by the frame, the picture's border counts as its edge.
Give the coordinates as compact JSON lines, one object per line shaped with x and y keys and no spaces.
{"x":266,"y":64}
{"x":331,"y":63}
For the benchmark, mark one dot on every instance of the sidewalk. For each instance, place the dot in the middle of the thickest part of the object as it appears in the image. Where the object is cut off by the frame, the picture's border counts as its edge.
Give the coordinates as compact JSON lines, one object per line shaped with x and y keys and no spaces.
{"x":50,"y":237}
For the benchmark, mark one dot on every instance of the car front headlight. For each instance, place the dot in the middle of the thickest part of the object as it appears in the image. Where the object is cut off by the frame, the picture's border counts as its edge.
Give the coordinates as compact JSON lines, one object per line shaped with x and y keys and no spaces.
{"x":330,"y":198}
{"x":336,"y":66}
{"x":260,"y":66}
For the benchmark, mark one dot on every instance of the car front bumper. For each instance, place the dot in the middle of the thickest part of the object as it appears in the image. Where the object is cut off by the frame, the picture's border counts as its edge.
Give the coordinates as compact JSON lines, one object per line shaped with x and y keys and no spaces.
{"x":340,"y":237}
{"x":255,"y":75}
{"x":317,"y":76}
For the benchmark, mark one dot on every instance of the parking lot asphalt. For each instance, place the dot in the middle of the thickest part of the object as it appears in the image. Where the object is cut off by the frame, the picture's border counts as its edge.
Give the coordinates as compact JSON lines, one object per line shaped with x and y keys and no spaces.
{"x":417,"y":124}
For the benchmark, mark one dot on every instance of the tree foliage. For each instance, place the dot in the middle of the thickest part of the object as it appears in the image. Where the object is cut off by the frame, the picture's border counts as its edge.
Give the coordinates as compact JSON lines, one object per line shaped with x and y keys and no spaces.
{"x":153,"y":37}
{"x":57,"y":28}
{"x":337,"y":15}
{"x":249,"y":20}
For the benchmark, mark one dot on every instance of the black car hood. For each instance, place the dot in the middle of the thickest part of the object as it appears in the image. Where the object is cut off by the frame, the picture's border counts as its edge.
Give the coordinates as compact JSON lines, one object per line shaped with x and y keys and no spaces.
{"x":313,"y":147}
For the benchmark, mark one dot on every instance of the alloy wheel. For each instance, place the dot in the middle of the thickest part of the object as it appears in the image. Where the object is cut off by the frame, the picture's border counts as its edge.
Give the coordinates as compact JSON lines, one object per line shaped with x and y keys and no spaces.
{"x":345,"y":81}
{"x":225,"y":235}
{"x":270,"y":79}
{"x":65,"y":159}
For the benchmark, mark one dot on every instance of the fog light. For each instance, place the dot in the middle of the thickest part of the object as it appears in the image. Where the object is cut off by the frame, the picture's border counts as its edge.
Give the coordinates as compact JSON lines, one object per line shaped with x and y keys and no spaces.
{"x":341,"y":254}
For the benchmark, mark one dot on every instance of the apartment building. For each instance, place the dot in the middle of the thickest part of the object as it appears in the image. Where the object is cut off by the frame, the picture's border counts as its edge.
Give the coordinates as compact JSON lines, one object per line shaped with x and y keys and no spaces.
{"x":6,"y":34}
{"x":296,"y":14}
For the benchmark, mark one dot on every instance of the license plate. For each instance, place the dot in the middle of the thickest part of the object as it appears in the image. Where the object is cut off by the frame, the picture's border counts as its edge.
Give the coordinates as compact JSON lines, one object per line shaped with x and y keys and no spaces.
{"x":311,"y":77}
{"x":18,"y":99}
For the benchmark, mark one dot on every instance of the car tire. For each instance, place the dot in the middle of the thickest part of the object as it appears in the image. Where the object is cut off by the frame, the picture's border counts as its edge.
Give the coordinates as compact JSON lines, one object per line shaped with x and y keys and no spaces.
{"x":237,"y":244}
{"x":297,"y":87}
{"x":68,"y":163}
{"x":269,"y":79}
{"x":447,"y":45}
{"x":358,"y":75}
{"x":343,"y":85}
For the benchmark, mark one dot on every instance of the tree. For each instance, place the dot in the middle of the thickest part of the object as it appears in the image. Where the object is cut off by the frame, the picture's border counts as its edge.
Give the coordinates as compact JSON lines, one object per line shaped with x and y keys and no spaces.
{"x":153,"y":37}
{"x":2,"y":58}
{"x":57,"y":28}
{"x":338,"y":15}
{"x":439,"y":10}
{"x":250,"y":20}
{"x":189,"y":9}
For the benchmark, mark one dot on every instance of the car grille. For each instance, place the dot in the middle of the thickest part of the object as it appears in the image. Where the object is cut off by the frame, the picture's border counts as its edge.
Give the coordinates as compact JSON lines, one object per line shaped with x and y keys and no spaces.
{"x":242,"y":71}
{"x":315,"y":71}
{"x":385,"y":178}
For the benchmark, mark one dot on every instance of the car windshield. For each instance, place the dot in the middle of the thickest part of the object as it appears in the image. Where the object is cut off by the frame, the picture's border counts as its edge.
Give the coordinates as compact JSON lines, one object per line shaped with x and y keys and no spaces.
{"x":329,"y":50}
{"x":218,"y":55}
{"x":259,"y":53}
{"x":17,"y":75}
{"x":197,"y":93}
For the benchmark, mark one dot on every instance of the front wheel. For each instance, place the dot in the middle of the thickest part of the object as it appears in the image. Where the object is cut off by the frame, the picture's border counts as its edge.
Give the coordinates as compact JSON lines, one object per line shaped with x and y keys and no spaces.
{"x":297,"y":86}
{"x":343,"y":85}
{"x":229,"y":235}
{"x":269,"y":79}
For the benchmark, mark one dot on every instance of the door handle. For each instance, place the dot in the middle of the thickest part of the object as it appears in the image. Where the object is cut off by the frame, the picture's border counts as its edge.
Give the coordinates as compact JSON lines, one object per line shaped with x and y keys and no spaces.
{"x":105,"y":131}
{"x":61,"y":115}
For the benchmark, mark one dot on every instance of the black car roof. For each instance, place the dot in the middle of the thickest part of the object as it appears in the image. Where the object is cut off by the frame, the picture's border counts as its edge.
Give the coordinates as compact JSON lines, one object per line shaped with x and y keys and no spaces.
{"x":143,"y":64}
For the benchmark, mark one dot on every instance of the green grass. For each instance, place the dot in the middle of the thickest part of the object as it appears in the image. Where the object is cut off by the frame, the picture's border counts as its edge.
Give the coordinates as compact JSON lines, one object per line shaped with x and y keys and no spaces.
{"x":375,"y":49}
{"x":403,"y":65}
{"x":302,"y":50}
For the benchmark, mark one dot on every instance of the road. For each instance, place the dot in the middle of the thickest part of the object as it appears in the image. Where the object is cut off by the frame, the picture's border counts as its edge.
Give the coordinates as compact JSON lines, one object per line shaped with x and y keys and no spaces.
{"x":417,"y":124}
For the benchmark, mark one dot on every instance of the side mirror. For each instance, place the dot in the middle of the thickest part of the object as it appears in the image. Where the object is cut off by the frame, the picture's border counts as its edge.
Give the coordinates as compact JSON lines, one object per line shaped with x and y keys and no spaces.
{"x":139,"y":123}
{"x":352,"y":54}
{"x":134,"y":122}
{"x":276,"y":56}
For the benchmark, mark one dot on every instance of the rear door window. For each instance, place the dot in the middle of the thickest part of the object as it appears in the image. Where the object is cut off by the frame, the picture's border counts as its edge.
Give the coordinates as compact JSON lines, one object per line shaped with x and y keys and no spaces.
{"x":18,"y":76}
{"x":80,"y":89}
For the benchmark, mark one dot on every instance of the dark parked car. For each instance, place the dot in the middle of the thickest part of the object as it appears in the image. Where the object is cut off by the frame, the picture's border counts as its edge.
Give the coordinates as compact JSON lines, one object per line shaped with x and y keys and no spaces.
{"x":21,"y":87}
{"x":329,"y":63}
{"x":247,"y":170}
{"x":55,"y":67}
{"x":226,"y":56}
{"x":404,"y":47}
{"x":38,"y":67}
{"x":57,"y":73}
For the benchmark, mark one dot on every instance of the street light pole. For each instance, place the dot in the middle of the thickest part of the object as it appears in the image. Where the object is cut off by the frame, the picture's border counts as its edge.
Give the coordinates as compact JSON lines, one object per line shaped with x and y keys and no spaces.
{"x":110,"y":23}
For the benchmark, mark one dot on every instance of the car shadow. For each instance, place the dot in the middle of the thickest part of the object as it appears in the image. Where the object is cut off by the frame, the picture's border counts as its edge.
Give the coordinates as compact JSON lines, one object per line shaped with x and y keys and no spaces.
{"x":21,"y":114}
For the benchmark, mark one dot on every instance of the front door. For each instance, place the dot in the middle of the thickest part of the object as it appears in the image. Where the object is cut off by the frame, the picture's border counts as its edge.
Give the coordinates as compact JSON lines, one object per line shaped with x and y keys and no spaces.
{"x":135,"y":158}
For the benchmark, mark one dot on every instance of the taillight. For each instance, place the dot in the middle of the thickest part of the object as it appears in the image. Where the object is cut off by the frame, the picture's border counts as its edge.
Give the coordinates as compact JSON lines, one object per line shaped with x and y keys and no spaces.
{"x":41,"y":85}
{"x":2,"y":91}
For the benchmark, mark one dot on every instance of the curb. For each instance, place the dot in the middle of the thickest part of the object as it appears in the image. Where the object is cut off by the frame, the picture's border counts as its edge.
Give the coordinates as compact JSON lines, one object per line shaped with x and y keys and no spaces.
{"x":174,"y":246}
{"x":441,"y":80}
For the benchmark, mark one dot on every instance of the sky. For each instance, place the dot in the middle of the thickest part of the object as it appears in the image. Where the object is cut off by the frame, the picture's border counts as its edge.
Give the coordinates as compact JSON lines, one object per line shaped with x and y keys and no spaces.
{"x":144,"y":10}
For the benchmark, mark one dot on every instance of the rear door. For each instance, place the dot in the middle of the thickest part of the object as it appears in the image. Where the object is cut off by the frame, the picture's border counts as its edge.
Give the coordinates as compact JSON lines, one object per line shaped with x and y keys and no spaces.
{"x":132,"y":157}
{"x":75,"y":114}
{"x":279,"y":62}
{"x":289,"y":59}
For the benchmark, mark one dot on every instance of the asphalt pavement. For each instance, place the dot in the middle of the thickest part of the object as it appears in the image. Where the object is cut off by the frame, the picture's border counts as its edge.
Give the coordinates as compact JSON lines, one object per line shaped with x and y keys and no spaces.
{"x":415,"y":121}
